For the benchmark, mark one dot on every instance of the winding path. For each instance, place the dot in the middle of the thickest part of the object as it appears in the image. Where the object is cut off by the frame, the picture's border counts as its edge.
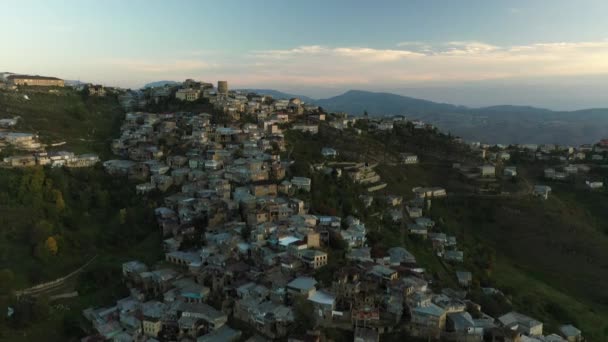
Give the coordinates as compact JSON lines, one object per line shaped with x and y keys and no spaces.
{"x":48,"y":287}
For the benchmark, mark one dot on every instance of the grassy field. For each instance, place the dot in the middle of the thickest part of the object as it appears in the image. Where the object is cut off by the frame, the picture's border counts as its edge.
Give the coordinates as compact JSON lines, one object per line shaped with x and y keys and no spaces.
{"x":86,"y":124}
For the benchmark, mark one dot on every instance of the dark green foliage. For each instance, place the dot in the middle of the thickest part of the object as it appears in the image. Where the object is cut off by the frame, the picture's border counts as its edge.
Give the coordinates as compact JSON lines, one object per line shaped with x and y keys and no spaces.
{"x":85,"y":123}
{"x":98,"y":213}
{"x":28,"y":310}
{"x":304,"y":315}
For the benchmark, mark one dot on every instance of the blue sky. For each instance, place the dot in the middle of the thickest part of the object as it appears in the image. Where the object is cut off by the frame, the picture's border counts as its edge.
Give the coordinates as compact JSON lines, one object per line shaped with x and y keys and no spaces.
{"x":435,"y":49}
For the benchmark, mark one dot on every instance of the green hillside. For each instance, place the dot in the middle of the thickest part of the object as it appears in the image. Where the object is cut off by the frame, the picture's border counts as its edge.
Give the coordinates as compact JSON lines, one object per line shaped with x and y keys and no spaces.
{"x":85,"y":123}
{"x":550,"y":258}
{"x":84,"y":212}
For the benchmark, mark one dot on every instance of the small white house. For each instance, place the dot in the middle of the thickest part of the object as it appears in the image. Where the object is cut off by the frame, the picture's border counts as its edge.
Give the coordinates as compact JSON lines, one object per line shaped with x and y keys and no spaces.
{"x":487,"y":170}
{"x":409,"y":158}
{"x":594,"y":185}
{"x":301,"y":183}
{"x":505,"y":156}
{"x":329,"y":152}
{"x":385,"y":126}
{"x":510,"y":171}
{"x":542,"y":191}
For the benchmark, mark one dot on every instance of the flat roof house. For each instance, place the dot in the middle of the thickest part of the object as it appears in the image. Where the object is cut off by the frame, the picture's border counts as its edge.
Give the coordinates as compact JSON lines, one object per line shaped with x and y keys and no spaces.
{"x":542,"y":191}
{"x":303,"y":286}
{"x":187,"y":94}
{"x":522,"y":323}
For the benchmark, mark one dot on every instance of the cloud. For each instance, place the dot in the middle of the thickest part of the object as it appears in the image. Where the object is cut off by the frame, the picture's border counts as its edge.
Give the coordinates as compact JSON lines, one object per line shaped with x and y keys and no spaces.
{"x":449,"y":61}
{"x":403,"y":64}
{"x":470,"y":47}
{"x":360,"y":53}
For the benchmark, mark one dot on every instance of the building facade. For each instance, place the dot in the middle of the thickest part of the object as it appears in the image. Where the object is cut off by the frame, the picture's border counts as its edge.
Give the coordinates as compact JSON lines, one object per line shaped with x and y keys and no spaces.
{"x":41,"y":81}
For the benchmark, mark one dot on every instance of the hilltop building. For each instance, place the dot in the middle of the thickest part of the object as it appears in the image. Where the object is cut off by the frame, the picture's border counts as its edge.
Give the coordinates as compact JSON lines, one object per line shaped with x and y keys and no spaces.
{"x":96,"y":90}
{"x":41,"y":81}
{"x":222,"y":87}
{"x":188,"y":94}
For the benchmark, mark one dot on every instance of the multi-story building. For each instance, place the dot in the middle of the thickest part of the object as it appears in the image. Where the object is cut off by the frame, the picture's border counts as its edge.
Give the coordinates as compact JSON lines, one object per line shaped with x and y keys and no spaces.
{"x":187,"y":94}
{"x":42,"y":81}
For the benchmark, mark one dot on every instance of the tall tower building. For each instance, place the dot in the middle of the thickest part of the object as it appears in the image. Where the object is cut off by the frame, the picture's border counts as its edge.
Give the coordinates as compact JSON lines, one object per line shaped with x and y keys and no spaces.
{"x":222,"y":87}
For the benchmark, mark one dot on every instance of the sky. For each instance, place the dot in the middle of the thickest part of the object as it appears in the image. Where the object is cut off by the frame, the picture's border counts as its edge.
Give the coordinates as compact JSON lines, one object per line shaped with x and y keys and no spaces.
{"x":550,"y":53}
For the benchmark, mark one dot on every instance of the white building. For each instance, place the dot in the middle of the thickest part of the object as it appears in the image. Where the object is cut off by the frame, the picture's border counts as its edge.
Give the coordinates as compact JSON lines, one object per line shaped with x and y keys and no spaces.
{"x":329,"y":152}
{"x":510,"y":171}
{"x":487,"y":170}
{"x":594,"y":185}
{"x":409,"y":158}
{"x":542,"y":191}
{"x":187,"y":94}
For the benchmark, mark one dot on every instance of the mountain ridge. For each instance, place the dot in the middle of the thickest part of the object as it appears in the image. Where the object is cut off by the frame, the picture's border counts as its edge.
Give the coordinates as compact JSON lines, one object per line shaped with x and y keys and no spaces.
{"x":277,"y":94}
{"x":160,"y":84}
{"x":507,"y":124}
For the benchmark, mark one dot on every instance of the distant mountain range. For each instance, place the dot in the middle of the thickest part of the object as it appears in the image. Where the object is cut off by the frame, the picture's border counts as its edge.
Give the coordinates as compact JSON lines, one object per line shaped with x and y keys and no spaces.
{"x":279,"y":94}
{"x":74,"y":83}
{"x":160,"y":84}
{"x":497,"y":124}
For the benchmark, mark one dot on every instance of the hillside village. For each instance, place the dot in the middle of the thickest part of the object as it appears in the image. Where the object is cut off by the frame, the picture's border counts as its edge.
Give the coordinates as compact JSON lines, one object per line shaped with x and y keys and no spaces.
{"x":244,"y":242}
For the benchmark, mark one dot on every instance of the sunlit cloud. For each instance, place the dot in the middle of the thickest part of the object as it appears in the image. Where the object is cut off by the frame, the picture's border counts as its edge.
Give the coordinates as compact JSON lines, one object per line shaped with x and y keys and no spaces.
{"x":360,"y":53}
{"x":405,"y":63}
{"x":450,"y":61}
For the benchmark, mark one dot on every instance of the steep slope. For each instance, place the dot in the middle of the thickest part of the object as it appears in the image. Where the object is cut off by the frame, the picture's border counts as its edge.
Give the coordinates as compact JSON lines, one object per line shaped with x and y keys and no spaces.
{"x":548,"y":257}
{"x":84,"y":123}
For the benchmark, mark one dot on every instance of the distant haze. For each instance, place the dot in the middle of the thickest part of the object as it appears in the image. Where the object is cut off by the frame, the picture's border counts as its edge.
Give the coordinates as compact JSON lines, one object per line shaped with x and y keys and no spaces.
{"x":495,"y":124}
{"x":558,"y":93}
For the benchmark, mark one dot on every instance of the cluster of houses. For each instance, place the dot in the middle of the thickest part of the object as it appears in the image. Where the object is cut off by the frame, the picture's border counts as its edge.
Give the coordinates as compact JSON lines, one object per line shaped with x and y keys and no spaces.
{"x":20,"y":141}
{"x":9,"y":122}
{"x":31,"y":151}
{"x":53,"y":159}
{"x":242,"y":247}
{"x":563,"y":163}
{"x":232,"y":103}
{"x":37,"y":155}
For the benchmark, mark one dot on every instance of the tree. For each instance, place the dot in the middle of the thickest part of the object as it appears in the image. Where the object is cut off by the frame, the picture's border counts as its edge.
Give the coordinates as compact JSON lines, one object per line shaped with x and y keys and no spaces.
{"x":40,"y":231}
{"x":304,"y":313}
{"x":122,"y":216}
{"x":246,"y":233}
{"x":59,"y":202}
{"x":51,"y":245}
{"x":6,"y":280}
